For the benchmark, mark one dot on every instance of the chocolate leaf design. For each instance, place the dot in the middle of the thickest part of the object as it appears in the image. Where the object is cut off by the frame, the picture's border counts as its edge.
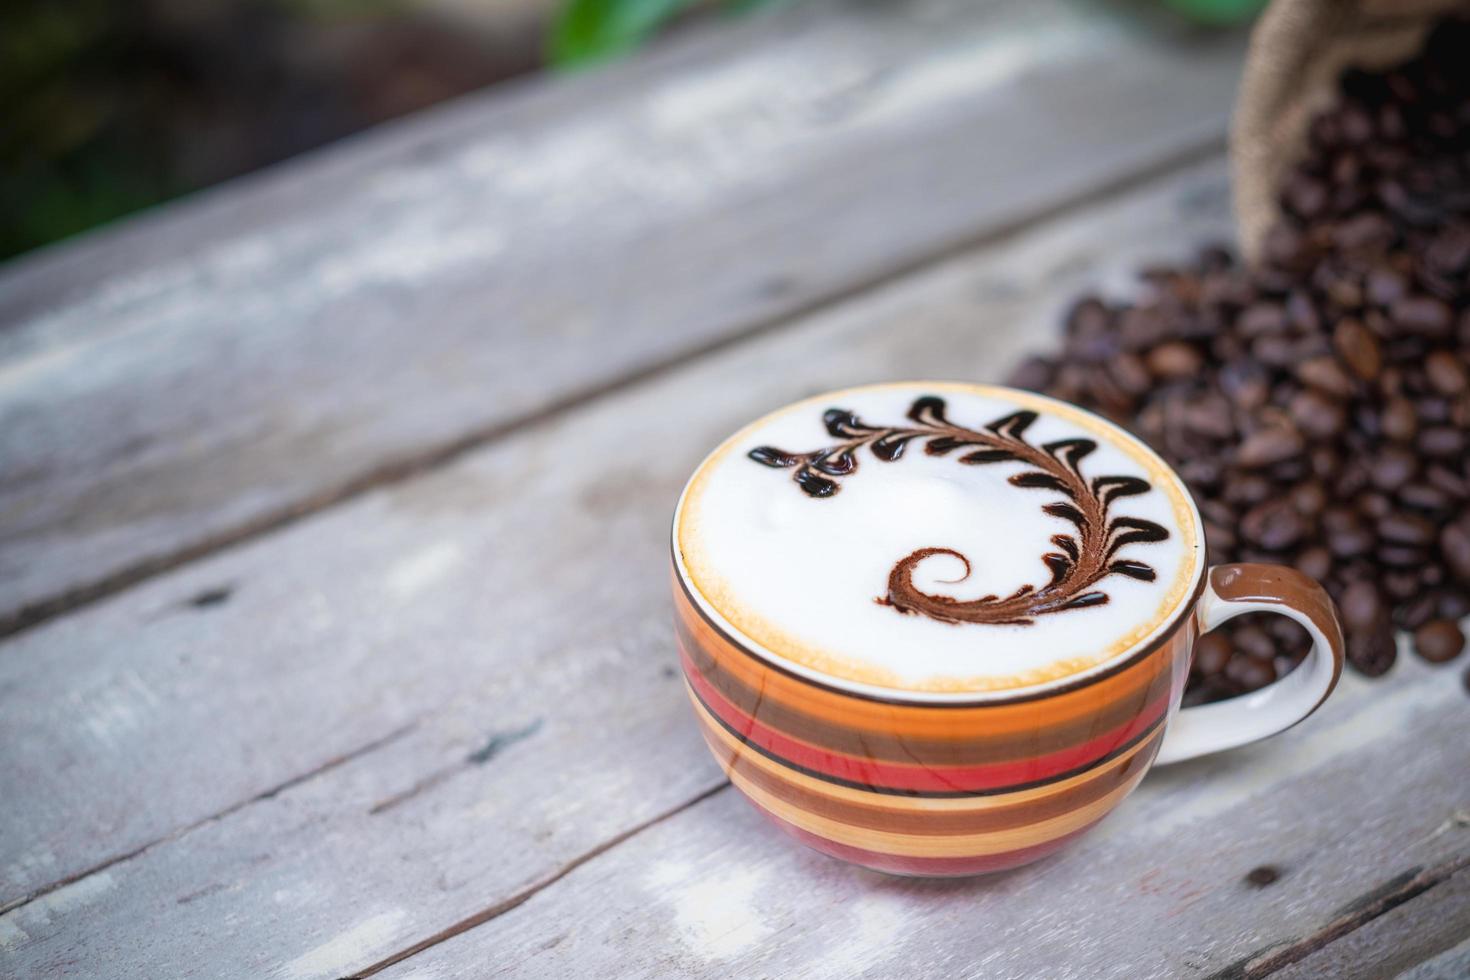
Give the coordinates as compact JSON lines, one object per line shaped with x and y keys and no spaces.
{"x":843,"y":424}
{"x":928,"y":411}
{"x":1110,"y":488}
{"x":815,"y":486}
{"x":839,"y":464}
{"x":987,"y":456}
{"x":889,"y":447}
{"x":1040,"y":481}
{"x":1081,"y":561}
{"x":1067,"y":512}
{"x":1133,"y":569}
{"x":1133,"y":530}
{"x":943,"y":445}
{"x":1013,"y":425}
{"x":770,"y":456}
{"x":1071,"y":451}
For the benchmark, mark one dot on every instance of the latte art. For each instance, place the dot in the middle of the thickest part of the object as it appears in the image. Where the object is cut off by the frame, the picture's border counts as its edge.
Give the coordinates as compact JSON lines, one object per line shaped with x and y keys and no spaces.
{"x":937,"y":539}
{"x":1057,"y":468}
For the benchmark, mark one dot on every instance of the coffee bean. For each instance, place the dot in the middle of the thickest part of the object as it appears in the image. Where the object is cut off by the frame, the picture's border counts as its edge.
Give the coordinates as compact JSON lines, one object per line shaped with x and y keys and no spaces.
{"x":1398,"y":420}
{"x":1399,"y":584}
{"x":1405,"y":528}
{"x":1032,"y":374}
{"x":1423,"y":315}
{"x":1273,"y":524}
{"x":1439,"y":641}
{"x":1269,"y":445}
{"x":1358,"y":348}
{"x":1317,"y":415}
{"x":1314,"y":562}
{"x":1441,"y":440}
{"x":1174,"y":360}
{"x":1211,"y":652}
{"x":1416,"y":612}
{"x":1423,"y":496}
{"x":1372,"y":651}
{"x":1393,"y":467}
{"x":1446,"y":373}
{"x":1251,"y":673}
{"x":1360,"y":606}
{"x":1454,"y":545}
{"x":1309,"y":498}
{"x":1130,"y":373}
{"x":1326,"y":374}
{"x":1401,"y":556}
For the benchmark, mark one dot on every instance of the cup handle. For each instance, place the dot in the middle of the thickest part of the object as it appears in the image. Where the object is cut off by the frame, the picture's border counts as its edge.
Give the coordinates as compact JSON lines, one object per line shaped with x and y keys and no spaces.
{"x":1233,"y":590}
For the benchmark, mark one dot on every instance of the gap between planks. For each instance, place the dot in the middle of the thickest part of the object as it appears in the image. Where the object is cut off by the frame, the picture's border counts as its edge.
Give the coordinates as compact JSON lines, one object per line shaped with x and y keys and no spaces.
{"x":367,"y":748}
{"x":407,"y":467}
{"x":1355,"y":915}
{"x":1380,"y":901}
{"x":526,"y":894}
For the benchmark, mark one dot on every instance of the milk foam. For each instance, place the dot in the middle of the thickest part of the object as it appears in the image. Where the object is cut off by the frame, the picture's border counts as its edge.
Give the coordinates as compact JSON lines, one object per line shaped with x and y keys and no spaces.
{"x":803,"y":578}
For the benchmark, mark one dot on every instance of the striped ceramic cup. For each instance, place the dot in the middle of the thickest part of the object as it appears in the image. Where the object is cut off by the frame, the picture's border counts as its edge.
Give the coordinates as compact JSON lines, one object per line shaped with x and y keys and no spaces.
{"x":944,"y":629}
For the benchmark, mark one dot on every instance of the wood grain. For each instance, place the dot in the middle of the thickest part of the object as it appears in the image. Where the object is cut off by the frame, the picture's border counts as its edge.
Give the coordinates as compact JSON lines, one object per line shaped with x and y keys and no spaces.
{"x":1411,"y":934}
{"x":1339,"y":805}
{"x":219,"y":368}
{"x":510,"y":608}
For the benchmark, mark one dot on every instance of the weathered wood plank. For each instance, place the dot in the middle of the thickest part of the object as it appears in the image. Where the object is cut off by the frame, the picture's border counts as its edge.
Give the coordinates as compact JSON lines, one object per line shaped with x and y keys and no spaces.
{"x":1411,"y":934}
{"x":1344,"y":806}
{"x":1452,"y":964}
{"x":523,"y":585}
{"x":216,"y":369}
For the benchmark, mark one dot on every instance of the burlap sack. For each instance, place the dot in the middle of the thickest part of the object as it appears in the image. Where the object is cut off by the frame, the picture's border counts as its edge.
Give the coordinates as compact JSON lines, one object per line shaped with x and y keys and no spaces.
{"x":1297,"y":51}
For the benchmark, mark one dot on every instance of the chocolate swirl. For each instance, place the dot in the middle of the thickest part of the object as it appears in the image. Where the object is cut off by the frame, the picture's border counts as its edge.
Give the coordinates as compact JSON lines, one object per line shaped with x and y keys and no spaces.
{"x":1081,"y":560}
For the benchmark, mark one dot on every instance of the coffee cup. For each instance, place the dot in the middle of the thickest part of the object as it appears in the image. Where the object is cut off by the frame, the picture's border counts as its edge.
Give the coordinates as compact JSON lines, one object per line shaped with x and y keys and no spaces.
{"x":936,"y":628}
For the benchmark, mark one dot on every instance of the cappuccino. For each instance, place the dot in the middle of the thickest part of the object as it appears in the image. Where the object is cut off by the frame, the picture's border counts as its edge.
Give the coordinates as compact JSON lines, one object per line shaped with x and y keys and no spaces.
{"x":935,"y":541}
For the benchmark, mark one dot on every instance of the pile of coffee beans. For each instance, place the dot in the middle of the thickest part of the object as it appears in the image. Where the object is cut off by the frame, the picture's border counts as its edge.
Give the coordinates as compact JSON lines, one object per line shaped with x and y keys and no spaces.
{"x":1318,"y":402}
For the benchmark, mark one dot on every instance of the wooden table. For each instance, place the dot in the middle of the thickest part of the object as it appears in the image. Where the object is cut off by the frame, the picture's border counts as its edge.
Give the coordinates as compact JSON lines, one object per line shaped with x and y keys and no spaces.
{"x":334,"y":511}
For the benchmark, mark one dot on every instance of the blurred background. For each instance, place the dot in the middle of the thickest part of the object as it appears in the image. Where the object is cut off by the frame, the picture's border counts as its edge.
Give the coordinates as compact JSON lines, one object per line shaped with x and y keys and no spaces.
{"x":111,"y":107}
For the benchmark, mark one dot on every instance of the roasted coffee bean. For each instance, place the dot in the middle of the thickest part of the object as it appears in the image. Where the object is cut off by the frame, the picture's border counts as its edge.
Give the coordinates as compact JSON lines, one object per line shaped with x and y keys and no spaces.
{"x":1446,"y":373}
{"x":1360,"y":606}
{"x":1270,"y":445}
{"x":1374,"y":506}
{"x":1399,"y":584}
{"x":1273,"y":524}
{"x":1398,"y":420}
{"x":1423,"y":496}
{"x":1405,"y":528}
{"x":1416,"y":612}
{"x":1372,"y":651}
{"x":1211,"y":653}
{"x":1317,"y":415}
{"x":1401,"y":556}
{"x":1252,"y":640}
{"x":1309,"y":498}
{"x":1314,"y":562}
{"x":1251,"y":673}
{"x":1393,"y":467}
{"x":1326,"y":374}
{"x":1358,"y":348}
{"x":1439,"y":641}
{"x":1454,"y":545}
{"x":1423,"y":315}
{"x":1174,"y":360}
